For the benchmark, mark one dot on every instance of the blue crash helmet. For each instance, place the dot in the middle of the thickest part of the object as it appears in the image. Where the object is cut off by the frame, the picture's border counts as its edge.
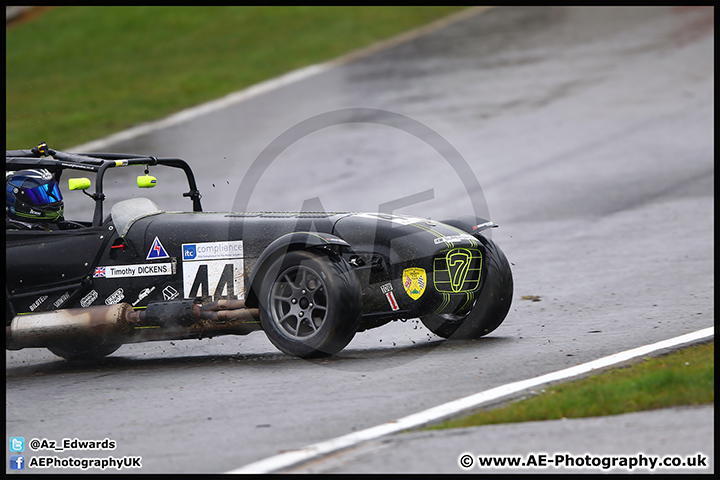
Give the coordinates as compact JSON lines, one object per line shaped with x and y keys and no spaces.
{"x":33,"y":196}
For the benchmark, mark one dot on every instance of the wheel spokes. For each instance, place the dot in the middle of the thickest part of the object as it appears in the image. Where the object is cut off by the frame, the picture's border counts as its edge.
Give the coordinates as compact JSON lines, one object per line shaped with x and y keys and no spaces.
{"x":298,"y":304}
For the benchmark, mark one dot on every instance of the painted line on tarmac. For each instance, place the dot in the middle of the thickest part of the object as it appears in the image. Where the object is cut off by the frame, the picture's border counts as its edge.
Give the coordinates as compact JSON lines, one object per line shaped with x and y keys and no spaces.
{"x":272,"y":84}
{"x":204,"y":109}
{"x":295,"y":457}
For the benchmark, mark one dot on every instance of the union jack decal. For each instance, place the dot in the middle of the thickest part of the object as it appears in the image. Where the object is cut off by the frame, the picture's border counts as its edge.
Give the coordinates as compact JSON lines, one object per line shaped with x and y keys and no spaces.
{"x":99,"y":272}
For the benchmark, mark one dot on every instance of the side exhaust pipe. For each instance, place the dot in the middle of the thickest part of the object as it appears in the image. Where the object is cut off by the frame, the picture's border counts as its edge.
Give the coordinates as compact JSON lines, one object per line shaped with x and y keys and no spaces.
{"x":120,"y":324}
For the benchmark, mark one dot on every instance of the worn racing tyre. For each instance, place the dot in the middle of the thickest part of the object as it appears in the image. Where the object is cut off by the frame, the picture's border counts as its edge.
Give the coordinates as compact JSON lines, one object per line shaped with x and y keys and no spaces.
{"x":310,"y":304}
{"x":83,"y":351}
{"x":491,"y":306}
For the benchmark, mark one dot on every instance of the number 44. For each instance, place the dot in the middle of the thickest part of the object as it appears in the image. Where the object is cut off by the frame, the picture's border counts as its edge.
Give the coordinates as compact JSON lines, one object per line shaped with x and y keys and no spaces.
{"x":216,"y":279}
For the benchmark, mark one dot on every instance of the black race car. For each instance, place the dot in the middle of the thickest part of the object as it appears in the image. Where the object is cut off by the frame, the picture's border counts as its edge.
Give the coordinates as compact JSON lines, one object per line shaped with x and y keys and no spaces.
{"x":310,"y":280}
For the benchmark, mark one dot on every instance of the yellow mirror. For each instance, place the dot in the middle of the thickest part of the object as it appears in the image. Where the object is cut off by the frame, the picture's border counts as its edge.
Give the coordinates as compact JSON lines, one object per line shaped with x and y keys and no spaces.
{"x":78,"y":183}
{"x":146,"y":181}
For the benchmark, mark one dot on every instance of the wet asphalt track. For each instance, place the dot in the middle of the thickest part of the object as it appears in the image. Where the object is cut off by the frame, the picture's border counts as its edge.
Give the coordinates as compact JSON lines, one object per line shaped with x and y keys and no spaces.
{"x":590,"y":131}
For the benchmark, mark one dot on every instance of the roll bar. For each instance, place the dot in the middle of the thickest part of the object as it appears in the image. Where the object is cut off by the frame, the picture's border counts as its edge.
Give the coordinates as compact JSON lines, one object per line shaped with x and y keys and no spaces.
{"x":54,"y":161}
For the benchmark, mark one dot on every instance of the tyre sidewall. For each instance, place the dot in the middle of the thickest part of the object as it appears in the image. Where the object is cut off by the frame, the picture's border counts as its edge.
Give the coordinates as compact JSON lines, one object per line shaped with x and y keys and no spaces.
{"x":86,"y":351}
{"x":344,"y":301}
{"x":491,"y":306}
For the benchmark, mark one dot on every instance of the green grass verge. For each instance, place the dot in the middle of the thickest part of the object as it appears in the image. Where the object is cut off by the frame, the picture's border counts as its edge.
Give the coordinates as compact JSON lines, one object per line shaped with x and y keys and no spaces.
{"x":75,"y":74}
{"x":686,"y":377}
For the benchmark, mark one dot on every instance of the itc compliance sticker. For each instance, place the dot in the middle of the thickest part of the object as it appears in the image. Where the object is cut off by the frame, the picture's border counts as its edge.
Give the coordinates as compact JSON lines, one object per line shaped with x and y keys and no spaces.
{"x":212,"y":250}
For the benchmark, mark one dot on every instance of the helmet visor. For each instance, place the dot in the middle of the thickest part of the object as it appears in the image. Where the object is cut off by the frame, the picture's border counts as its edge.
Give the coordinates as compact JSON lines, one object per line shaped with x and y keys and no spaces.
{"x":43,"y":194}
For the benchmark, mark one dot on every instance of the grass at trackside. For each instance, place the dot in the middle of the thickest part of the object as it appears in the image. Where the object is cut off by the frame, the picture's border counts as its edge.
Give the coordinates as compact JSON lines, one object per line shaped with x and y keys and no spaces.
{"x":686,"y":377}
{"x":76,"y":74}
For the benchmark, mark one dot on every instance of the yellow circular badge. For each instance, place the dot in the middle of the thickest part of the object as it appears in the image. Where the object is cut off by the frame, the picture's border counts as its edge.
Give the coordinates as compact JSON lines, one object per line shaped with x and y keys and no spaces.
{"x":414,"y":282}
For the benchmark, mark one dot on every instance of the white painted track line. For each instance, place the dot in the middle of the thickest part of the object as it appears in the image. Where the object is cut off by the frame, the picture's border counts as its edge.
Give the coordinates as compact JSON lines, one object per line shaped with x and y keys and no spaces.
{"x":294,"y":457}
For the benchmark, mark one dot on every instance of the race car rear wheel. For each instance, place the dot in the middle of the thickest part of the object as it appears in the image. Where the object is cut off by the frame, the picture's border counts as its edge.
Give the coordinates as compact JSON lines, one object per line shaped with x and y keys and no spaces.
{"x":491,"y":306}
{"x":310,"y":304}
{"x":84,"y":351}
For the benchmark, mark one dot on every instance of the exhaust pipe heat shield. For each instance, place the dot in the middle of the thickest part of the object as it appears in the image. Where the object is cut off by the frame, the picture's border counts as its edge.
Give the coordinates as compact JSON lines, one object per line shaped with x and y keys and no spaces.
{"x":119,"y":324}
{"x":56,"y":327}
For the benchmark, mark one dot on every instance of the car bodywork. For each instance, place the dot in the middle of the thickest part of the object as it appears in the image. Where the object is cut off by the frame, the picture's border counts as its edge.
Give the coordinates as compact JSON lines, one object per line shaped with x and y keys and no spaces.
{"x":141,"y":273}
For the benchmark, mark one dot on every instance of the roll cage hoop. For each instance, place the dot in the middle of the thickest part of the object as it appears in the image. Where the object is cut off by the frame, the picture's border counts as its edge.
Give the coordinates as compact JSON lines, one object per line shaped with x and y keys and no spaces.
{"x":56,"y":161}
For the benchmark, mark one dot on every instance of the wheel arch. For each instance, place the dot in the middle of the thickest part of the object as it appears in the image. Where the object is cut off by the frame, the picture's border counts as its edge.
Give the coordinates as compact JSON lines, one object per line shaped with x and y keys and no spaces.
{"x":331,"y":244}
